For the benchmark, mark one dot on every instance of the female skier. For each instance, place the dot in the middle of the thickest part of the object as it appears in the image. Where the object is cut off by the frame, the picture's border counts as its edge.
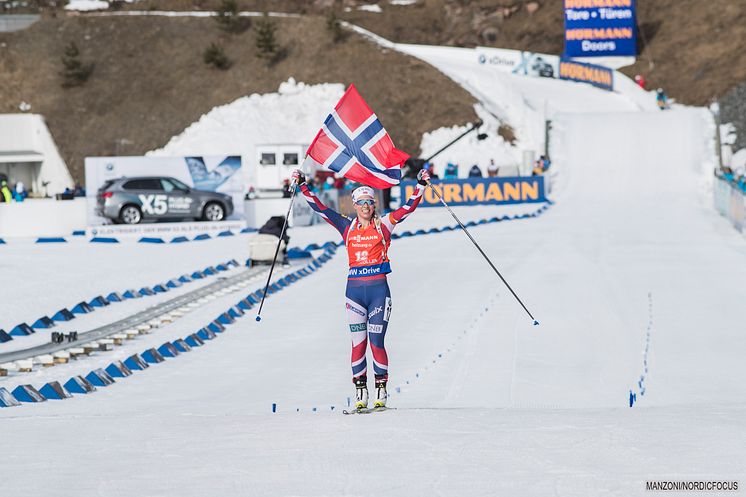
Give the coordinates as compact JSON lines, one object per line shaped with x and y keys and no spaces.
{"x":367,"y":238}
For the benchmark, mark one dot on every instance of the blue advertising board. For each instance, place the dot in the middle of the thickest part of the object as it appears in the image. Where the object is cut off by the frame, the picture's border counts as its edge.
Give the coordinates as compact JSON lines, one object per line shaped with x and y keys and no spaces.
{"x":600,"y":28}
{"x":479,"y":191}
{"x":593,"y":74}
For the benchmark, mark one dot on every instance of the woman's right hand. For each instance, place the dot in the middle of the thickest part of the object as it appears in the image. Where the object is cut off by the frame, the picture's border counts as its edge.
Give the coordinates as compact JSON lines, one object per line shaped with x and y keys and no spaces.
{"x":298,"y":177}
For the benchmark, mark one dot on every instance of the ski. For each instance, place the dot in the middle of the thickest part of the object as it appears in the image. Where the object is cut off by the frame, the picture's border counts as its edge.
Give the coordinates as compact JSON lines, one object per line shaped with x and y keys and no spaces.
{"x":369,"y":410}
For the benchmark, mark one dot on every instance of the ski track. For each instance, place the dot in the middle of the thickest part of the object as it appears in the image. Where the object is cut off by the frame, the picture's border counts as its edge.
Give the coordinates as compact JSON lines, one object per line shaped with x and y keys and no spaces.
{"x":510,"y":409}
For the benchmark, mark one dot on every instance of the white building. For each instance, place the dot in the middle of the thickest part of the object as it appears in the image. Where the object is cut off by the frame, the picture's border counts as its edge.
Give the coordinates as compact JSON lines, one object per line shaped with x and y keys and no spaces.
{"x":28,"y":153}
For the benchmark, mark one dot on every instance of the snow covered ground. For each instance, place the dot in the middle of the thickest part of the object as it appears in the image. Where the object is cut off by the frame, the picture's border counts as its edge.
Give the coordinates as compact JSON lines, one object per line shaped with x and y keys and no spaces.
{"x":291,"y":115}
{"x":487,"y":404}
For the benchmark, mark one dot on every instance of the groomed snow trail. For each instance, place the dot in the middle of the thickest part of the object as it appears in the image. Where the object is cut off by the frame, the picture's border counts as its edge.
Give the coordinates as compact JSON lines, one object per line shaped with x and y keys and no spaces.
{"x":487,"y":404}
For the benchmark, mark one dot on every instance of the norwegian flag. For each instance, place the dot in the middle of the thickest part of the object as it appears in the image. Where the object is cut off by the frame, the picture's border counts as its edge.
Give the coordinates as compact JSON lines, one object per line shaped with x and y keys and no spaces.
{"x":353,"y":143}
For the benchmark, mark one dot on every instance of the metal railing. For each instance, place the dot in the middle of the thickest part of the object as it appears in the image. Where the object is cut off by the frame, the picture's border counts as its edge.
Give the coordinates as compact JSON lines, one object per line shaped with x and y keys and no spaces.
{"x":134,"y":320}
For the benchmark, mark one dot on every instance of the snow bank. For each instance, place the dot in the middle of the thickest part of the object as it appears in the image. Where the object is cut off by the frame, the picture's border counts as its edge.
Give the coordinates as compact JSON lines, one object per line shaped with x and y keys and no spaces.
{"x":87,"y":5}
{"x":292,"y":115}
{"x":375,"y":8}
{"x":469,"y":150}
{"x":90,"y":5}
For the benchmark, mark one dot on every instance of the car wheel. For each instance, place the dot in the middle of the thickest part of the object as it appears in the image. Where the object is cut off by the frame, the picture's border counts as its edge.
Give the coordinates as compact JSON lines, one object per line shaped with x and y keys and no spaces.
{"x":213,"y":212}
{"x":130,"y":214}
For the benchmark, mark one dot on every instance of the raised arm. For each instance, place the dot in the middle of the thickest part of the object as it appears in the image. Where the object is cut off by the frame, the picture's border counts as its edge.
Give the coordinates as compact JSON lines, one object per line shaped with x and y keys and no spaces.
{"x":337,"y":220}
{"x":400,"y":214}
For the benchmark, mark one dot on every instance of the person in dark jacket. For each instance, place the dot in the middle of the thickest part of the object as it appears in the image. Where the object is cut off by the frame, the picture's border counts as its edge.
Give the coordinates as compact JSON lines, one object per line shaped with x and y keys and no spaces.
{"x":475,"y":172}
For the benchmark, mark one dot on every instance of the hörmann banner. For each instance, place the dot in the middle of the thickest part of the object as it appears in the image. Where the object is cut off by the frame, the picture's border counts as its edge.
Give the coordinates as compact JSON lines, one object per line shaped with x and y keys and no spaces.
{"x":595,"y":75}
{"x":600,"y":28}
{"x":477,"y":191}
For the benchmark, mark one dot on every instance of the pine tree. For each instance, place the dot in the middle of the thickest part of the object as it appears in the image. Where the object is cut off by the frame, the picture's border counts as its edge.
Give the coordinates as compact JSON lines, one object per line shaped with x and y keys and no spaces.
{"x":266,"y":41}
{"x":227,"y":17}
{"x":75,"y":72}
{"x":214,"y":55}
{"x":334,"y":26}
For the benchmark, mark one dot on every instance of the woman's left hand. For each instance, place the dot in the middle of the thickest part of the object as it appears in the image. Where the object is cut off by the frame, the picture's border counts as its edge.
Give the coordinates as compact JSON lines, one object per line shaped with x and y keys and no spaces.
{"x":423,"y":177}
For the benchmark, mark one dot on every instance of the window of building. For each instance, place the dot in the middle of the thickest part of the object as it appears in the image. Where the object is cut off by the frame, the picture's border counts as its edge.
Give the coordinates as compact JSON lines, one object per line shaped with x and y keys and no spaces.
{"x":290,"y":159}
{"x":268,"y":159}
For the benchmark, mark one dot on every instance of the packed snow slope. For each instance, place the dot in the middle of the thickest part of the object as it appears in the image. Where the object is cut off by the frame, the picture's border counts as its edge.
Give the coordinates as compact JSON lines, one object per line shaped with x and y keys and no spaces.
{"x":522,"y":102}
{"x":487,"y":404}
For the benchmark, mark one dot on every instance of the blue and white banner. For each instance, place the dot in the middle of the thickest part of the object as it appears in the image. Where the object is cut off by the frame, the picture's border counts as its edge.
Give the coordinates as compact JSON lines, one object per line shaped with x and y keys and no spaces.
{"x":600,"y":28}
{"x":478,"y":191}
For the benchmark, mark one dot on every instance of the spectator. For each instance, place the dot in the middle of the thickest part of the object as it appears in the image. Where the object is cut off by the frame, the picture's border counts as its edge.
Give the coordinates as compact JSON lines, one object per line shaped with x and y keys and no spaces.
{"x":492,"y":169}
{"x":451,"y":171}
{"x":545,"y":163}
{"x":742,"y":182}
{"x":661,"y":99}
{"x":541,"y":166}
{"x":475,"y":172}
{"x":5,"y":195}
{"x":538,"y":168}
{"x":339,"y":181}
{"x":79,"y":190}
{"x":640,"y":80}
{"x":431,"y":170}
{"x":20,"y":193}
{"x":286,"y":193}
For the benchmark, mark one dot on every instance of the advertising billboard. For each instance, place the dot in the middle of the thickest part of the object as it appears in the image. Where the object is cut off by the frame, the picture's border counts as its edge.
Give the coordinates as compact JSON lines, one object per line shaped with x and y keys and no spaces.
{"x":599,"y":76}
{"x":481,"y":191}
{"x":600,"y":28}
{"x":160,"y":189}
{"x":518,"y":62}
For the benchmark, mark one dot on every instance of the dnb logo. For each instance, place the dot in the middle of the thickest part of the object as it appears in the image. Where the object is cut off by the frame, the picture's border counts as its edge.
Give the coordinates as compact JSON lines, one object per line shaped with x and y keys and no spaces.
{"x":375,"y":328}
{"x":358,"y":327}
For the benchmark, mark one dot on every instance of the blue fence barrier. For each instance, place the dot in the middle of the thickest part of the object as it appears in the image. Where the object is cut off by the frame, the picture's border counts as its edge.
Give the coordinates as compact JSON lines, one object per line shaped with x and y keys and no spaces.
{"x":152,"y":356}
{"x":730,"y":201}
{"x":65,"y":314}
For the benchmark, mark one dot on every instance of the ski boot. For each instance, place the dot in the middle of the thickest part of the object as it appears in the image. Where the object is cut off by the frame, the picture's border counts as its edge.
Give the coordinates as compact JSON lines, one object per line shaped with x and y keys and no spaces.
{"x":381,"y":394}
{"x":361,"y":393}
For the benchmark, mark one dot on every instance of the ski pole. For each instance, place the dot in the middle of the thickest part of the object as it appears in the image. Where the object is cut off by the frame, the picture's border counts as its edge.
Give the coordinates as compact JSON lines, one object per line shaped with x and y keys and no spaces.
{"x":437,"y":194}
{"x":277,"y":251}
